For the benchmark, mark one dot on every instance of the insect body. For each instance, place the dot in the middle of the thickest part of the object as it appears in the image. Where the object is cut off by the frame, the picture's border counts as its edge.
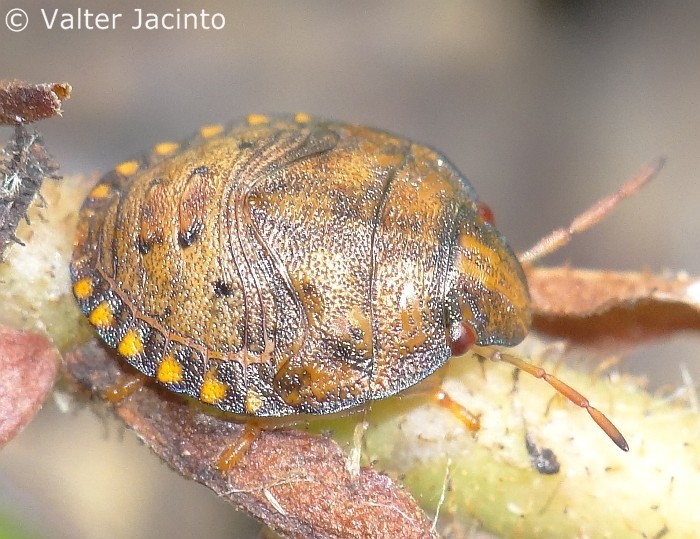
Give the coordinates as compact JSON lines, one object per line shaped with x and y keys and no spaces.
{"x":286,"y":265}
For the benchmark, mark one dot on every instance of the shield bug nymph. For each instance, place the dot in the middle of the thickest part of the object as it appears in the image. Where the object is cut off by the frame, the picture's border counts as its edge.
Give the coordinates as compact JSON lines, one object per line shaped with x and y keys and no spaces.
{"x":287,"y":265}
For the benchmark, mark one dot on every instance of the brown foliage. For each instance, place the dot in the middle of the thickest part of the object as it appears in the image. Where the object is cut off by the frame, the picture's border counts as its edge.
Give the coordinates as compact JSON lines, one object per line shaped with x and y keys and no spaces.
{"x":28,"y":363}
{"x":22,"y":102}
{"x":296,"y":482}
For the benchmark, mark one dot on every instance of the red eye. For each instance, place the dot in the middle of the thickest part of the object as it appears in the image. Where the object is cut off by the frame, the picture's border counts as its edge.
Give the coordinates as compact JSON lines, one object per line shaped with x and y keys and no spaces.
{"x":485,"y":212}
{"x":461,"y":337}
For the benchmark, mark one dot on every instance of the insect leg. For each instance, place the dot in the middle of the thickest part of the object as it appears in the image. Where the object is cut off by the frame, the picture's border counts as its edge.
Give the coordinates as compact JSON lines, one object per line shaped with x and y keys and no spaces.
{"x":569,"y":392}
{"x":471,"y":421}
{"x":232,"y":455}
{"x":125,"y":386}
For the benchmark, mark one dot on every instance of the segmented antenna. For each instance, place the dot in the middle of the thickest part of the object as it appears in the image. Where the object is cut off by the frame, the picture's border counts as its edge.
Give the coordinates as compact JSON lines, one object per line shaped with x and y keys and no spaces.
{"x":592,"y":215}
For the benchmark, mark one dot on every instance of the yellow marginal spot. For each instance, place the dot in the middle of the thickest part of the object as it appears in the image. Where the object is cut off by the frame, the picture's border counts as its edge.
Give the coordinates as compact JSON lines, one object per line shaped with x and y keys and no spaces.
{"x":169,"y":371}
{"x":209,"y":131}
{"x":257,"y":119}
{"x":127,"y":168}
{"x":302,"y":118}
{"x":102,"y":315}
{"x":166,"y":148}
{"x":83,"y":288}
{"x":100,"y":191}
{"x":212,"y":390}
{"x":253,"y":401}
{"x":131,"y":345}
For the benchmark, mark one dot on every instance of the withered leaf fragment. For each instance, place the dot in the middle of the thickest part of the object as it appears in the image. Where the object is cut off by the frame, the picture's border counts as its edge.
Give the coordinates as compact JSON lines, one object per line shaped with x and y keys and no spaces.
{"x":21,"y":102}
{"x":28,"y":363}
{"x":295,"y":482}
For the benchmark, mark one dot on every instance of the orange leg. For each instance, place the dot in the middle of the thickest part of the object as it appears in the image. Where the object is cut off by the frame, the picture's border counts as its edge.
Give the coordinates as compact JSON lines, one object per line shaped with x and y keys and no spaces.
{"x":124,"y":386}
{"x":570,"y":393}
{"x":232,"y":455}
{"x":471,"y":422}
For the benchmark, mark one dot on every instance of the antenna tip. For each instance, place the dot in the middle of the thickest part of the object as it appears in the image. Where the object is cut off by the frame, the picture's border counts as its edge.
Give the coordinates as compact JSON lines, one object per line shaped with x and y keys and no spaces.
{"x":657,"y":164}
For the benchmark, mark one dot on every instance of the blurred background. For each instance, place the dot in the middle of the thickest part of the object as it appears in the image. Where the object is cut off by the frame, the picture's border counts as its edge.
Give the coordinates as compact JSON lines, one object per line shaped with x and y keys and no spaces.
{"x":545,"y":106}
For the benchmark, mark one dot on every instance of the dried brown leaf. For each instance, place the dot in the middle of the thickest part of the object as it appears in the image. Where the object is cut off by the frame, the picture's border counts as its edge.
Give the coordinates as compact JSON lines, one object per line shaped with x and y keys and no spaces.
{"x":597,"y":306}
{"x":22,"y":102}
{"x":296,"y":482}
{"x":28,"y":363}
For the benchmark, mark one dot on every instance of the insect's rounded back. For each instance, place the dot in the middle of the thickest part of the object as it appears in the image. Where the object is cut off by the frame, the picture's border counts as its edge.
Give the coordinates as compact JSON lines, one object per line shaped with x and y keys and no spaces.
{"x":286,"y":265}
